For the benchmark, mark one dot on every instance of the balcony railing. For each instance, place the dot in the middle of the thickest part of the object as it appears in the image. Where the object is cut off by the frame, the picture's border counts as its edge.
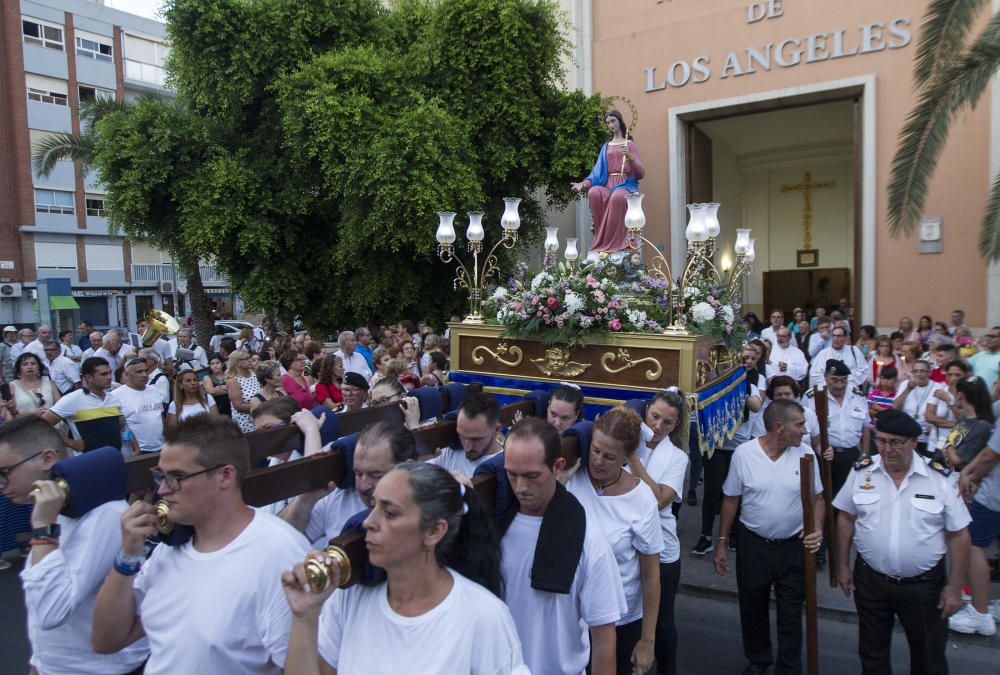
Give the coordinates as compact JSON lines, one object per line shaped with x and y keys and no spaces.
{"x":158,"y":272}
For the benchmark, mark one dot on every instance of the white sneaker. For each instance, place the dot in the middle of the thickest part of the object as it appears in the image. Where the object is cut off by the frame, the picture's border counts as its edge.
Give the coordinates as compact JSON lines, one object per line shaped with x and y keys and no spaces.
{"x":969,"y":621}
{"x":995,"y":610}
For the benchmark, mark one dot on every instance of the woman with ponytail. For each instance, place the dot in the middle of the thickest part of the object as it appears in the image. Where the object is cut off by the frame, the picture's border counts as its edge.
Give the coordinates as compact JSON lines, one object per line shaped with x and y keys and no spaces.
{"x":439,"y":609}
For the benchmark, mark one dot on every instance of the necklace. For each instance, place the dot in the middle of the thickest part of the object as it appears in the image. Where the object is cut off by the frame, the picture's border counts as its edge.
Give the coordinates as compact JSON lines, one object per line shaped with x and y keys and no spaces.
{"x":601,"y":488}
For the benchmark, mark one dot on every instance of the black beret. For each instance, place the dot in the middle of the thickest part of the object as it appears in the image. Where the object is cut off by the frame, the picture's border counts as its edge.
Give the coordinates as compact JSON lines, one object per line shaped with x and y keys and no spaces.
{"x":897,"y":423}
{"x":837,"y":367}
{"x":355,"y":380}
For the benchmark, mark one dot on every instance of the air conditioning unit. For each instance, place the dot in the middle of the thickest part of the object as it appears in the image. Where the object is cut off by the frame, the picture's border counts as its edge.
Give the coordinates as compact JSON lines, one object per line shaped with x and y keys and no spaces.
{"x":10,"y":290}
{"x":166,"y":287}
{"x":182,"y":287}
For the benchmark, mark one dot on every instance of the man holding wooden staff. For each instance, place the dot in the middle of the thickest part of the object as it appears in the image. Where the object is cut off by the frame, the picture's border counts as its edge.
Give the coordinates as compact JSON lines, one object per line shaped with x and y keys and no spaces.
{"x":903,"y":515}
{"x":764,"y":476}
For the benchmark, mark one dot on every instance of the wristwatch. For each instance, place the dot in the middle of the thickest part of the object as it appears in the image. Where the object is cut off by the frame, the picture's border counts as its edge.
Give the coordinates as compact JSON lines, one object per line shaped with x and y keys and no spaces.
{"x":51,"y":531}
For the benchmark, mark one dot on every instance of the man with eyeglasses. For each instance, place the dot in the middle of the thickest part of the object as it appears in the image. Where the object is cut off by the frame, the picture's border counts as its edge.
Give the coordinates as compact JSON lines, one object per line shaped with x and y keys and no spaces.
{"x":24,"y":336}
{"x":904,"y":516}
{"x":986,"y":364}
{"x":355,"y":391}
{"x":785,"y":357}
{"x":364,"y":346}
{"x":915,"y":397}
{"x":141,"y":405}
{"x":93,"y":416}
{"x":840,"y":351}
{"x":69,"y":558}
{"x":213,"y":604}
{"x":64,"y":373}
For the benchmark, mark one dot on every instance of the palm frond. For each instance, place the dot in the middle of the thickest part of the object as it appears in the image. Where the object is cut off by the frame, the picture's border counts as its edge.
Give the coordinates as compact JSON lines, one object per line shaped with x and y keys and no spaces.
{"x":96,"y":108}
{"x":56,"y":147}
{"x":955,"y":88}
{"x":989,"y":236}
{"x":942,"y":36}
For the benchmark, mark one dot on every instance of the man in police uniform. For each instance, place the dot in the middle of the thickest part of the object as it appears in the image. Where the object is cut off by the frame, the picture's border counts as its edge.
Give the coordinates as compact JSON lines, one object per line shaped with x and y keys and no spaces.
{"x":847,"y":423}
{"x":764,"y":476}
{"x":908,"y":516}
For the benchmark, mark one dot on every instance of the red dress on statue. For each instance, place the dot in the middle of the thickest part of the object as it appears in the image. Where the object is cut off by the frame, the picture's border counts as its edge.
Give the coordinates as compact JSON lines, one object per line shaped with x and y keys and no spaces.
{"x":607,"y":205}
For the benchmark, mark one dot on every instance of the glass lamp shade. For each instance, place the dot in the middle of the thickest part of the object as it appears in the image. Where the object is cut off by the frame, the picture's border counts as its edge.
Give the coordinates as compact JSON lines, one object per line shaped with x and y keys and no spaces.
{"x":712,"y":219}
{"x":551,"y":239}
{"x":446,"y":227}
{"x":571,"y":253}
{"x":635,"y":219}
{"x":751,"y":253}
{"x":475,"y":231}
{"x":510,"y":220}
{"x":742,"y":241}
{"x":697,"y":228}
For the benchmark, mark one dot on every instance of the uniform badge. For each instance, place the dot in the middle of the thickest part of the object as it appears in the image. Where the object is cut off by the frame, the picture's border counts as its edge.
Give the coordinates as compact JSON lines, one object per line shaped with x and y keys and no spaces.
{"x":862,"y":463}
{"x":940,"y":468}
{"x":868,"y":481}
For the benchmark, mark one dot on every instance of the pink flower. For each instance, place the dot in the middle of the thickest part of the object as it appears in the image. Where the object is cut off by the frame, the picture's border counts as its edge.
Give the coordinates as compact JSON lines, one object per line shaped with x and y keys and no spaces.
{"x":553,"y":302}
{"x":547,"y":319}
{"x":615,"y":324}
{"x":591,"y":281}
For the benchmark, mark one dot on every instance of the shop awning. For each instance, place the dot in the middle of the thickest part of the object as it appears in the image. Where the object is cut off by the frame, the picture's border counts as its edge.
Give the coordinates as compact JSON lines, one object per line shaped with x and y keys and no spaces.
{"x":57,"y":302}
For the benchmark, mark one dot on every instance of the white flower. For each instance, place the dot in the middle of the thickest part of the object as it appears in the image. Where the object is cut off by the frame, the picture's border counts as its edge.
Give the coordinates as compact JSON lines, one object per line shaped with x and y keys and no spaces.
{"x":574,"y":303}
{"x":540,"y":279}
{"x":727,"y":313}
{"x":690,"y":291}
{"x":500,"y":293}
{"x":636,"y":317}
{"x":502,"y":314}
{"x":702,"y":312}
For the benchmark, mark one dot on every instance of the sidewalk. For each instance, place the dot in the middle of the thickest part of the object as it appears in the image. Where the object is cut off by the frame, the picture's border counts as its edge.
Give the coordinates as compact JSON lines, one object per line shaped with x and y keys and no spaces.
{"x":698,"y":578}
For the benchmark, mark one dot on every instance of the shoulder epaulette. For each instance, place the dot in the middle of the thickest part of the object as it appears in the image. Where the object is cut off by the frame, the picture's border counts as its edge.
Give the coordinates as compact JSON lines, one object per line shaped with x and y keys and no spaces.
{"x":940,"y":468}
{"x":859,"y":391}
{"x":810,"y":393}
{"x":863,"y":463}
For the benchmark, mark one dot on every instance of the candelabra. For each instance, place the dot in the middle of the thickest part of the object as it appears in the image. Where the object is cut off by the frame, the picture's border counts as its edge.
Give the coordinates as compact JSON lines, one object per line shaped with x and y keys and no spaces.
{"x":701,"y":233}
{"x":474,"y":278}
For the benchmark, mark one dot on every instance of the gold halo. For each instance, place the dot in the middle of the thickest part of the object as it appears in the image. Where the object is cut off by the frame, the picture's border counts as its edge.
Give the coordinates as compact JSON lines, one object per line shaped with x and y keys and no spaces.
{"x":608,"y":103}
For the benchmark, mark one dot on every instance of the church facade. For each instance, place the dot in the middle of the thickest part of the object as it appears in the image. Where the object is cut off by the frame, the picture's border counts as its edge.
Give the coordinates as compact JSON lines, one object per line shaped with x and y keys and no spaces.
{"x":788,"y":113}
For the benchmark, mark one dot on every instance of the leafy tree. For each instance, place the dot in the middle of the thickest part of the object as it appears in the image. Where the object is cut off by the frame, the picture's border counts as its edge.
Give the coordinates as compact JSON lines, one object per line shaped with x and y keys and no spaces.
{"x":339,"y":128}
{"x":951,"y":77}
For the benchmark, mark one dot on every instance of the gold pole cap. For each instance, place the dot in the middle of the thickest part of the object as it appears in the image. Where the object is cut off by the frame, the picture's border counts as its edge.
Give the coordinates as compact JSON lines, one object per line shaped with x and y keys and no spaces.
{"x":320,"y":575}
{"x":163,"y":522}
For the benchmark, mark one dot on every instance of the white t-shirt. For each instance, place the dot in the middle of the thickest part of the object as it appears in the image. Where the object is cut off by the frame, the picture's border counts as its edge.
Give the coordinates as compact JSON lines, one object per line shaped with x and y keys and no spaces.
{"x":470,"y":631}
{"x":330,"y":513}
{"x":456,"y":460}
{"x":667,"y":465}
{"x":191,"y":409}
{"x":631,"y":524}
{"x":60,"y":592}
{"x":916,"y":404}
{"x":277,"y":507}
{"x":771,"y":503}
{"x":812,"y":422}
{"x":224,"y":611}
{"x":554,"y":627}
{"x":143,"y":412}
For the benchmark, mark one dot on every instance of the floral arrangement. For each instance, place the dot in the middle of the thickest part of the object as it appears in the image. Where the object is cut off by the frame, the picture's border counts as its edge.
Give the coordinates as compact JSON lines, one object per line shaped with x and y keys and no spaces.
{"x":566,"y":304}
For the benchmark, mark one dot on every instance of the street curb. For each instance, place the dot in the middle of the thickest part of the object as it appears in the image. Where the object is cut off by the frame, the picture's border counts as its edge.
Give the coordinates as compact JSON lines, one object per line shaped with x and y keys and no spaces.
{"x":834,"y":614}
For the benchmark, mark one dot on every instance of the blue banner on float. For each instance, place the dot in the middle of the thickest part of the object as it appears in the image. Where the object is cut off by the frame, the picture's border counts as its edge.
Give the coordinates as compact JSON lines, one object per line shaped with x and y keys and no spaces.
{"x":720,"y":410}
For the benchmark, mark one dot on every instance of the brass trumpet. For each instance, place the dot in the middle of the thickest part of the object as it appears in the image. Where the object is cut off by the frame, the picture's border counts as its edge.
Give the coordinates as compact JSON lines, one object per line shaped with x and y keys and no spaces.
{"x":160,"y":323}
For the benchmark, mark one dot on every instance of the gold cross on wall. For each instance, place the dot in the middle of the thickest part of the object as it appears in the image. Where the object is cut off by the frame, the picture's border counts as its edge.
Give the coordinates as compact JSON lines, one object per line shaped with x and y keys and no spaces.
{"x":807,"y":186}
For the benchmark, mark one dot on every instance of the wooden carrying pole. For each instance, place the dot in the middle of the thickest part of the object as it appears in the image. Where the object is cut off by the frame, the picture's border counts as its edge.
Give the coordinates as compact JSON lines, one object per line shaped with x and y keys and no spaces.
{"x":808,"y":527}
{"x":822,"y":404}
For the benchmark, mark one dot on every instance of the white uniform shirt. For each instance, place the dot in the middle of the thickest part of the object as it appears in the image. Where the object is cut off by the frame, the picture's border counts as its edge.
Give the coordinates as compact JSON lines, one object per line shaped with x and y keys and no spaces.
{"x":770,"y":491}
{"x":852,"y":357}
{"x":163,"y":350}
{"x":916,"y":404}
{"x":330,"y":513}
{"x":60,"y":592}
{"x":224,"y":611}
{"x":64,"y":372}
{"x":901,"y":531}
{"x":200,"y":358}
{"x":631,"y":524}
{"x":792,"y":357}
{"x":667,"y":465}
{"x":554,"y":627}
{"x":36,"y":348}
{"x":812,"y":423}
{"x":846,"y":421}
{"x":470,"y":631}
{"x":456,"y":460}
{"x":355,"y":363}
{"x":143,"y":412}
{"x":769,"y":335}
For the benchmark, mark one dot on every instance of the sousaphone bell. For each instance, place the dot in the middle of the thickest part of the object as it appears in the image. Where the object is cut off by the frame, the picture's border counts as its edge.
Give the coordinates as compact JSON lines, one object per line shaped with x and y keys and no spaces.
{"x":160,"y":324}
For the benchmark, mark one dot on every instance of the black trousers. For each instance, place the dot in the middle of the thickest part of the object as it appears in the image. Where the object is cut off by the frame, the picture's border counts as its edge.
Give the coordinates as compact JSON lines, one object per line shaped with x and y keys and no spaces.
{"x":841,"y":467}
{"x":666,"y":629}
{"x":627,"y":637}
{"x":759,"y":566}
{"x":716,"y":470}
{"x":879,"y":600}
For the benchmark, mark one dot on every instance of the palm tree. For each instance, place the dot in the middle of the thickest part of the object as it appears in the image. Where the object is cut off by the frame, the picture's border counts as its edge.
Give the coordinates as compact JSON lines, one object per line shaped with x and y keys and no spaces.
{"x":80,"y":148}
{"x":951,"y":76}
